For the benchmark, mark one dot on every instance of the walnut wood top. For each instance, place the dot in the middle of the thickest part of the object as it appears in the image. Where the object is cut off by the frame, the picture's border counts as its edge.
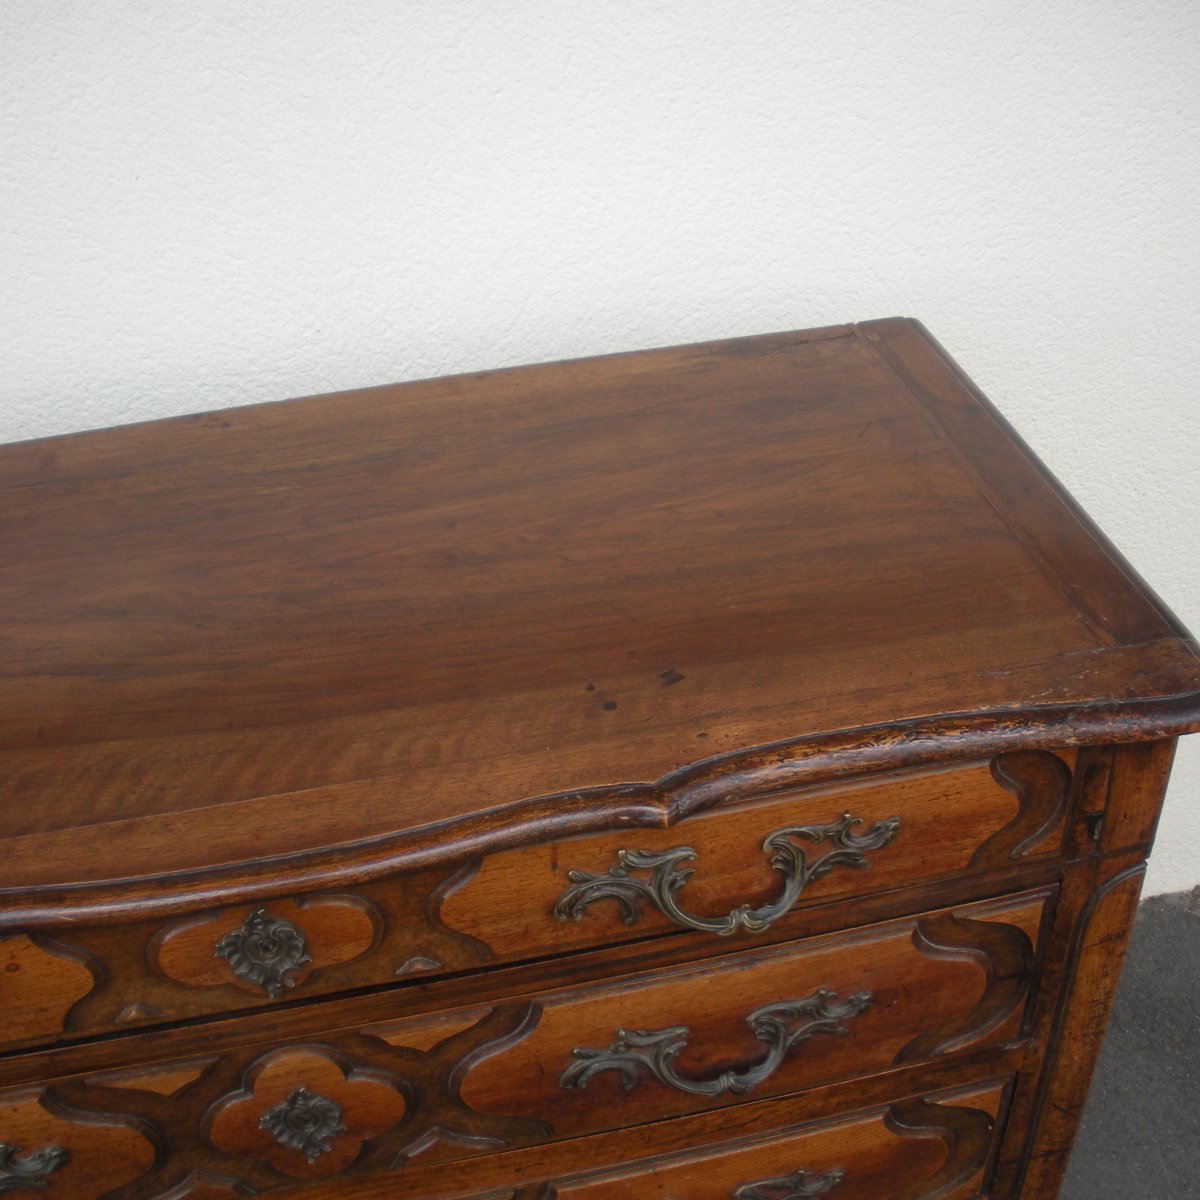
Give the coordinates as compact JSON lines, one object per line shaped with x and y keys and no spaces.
{"x":394,"y":614}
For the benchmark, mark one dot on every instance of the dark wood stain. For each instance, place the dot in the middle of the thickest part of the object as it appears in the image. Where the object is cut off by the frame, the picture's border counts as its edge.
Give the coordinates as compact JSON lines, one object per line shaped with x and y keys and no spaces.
{"x":390,"y":666}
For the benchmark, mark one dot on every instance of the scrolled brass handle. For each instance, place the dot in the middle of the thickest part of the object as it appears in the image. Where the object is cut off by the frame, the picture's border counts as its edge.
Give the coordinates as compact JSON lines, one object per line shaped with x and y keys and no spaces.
{"x":639,"y":1053}
{"x":800,"y":1185}
{"x":264,"y":951}
{"x":29,"y":1170}
{"x":667,"y":874}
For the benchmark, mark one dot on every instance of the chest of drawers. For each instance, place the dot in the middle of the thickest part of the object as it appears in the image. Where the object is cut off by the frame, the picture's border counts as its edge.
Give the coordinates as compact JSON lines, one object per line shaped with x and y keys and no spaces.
{"x":719,"y":773}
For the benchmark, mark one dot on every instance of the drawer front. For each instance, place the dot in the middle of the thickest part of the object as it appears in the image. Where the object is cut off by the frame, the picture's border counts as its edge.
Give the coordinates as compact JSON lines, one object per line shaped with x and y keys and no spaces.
{"x":731,"y":871}
{"x":934,"y":1146}
{"x":57,"y":987}
{"x":737,"y":872}
{"x":767,"y":1022}
{"x":524,"y":1069}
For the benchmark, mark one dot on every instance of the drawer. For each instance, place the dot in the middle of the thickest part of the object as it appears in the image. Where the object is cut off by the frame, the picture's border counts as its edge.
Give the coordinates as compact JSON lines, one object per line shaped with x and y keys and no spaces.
{"x":768,"y":1022}
{"x":732,"y":871}
{"x":59,"y":985}
{"x":930,"y":1146}
{"x":366,"y":1097}
{"x":936,"y":1144}
{"x":736,"y":872}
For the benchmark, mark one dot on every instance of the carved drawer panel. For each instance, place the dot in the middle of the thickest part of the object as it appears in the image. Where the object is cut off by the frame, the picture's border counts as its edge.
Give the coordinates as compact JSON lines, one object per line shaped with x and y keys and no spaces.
{"x":934,"y":1144}
{"x":737,"y":870}
{"x":88,"y":980}
{"x":918,"y":1149}
{"x":768,"y":1022}
{"x":366,"y":1098}
{"x":69,"y":1151}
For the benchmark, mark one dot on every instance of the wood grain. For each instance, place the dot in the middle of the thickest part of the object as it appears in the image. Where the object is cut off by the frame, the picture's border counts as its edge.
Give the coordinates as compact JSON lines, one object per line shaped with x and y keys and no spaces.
{"x":104,"y":1150}
{"x":948,"y":822}
{"x":470,"y":1083}
{"x":909,"y":1152}
{"x":40,"y":982}
{"x":424,"y":605}
{"x":694,"y":1154}
{"x":1098,"y":951}
{"x":153,"y":972}
{"x":1135,"y":797}
{"x":951,"y":821}
{"x":377,"y":682}
{"x":968,"y":994}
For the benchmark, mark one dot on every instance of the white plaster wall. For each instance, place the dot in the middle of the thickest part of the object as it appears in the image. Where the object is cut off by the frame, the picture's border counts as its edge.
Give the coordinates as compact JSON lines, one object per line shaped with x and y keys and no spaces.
{"x":210,"y":204}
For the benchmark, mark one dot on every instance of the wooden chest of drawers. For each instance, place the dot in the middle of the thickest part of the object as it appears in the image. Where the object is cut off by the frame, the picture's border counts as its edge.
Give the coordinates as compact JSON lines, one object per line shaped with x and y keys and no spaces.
{"x":720,"y":773}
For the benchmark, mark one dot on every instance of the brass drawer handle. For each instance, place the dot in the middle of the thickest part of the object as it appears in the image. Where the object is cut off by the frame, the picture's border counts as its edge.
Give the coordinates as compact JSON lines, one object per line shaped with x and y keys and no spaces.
{"x":798,"y":1186}
{"x":668,"y":875}
{"x":264,"y":951}
{"x":780,"y":1026}
{"x":31,"y":1170}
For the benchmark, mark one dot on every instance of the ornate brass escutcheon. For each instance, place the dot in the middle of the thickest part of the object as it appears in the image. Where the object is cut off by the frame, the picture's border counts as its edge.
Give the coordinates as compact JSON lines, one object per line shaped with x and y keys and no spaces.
{"x":305,"y":1122}
{"x":264,"y":951}
{"x":781,"y":1027}
{"x":668,"y":874}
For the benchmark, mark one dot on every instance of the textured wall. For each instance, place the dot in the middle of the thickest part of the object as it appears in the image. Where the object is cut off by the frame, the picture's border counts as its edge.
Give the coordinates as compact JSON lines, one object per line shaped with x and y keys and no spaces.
{"x":209,"y":204}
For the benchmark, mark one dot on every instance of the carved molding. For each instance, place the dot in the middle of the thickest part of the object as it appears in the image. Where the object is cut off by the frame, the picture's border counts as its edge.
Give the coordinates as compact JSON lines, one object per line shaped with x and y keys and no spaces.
{"x":416,"y":965}
{"x":400,"y":929}
{"x":1042,"y":784}
{"x":470,"y":946}
{"x":42,"y":982}
{"x":306,"y":1111}
{"x":331,"y":931}
{"x":1006,"y":955}
{"x":745,"y":775}
{"x":966,"y":1132}
{"x":186,"y":1121}
{"x":667,"y":873}
{"x":1098,"y":941}
{"x":107,"y":1149}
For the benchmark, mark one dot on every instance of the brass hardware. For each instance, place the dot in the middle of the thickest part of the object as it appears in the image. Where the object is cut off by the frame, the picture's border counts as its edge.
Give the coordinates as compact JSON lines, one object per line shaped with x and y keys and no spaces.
{"x":800,"y":1185}
{"x":30,"y":1171}
{"x":668,"y":875}
{"x":305,"y":1122}
{"x":654,"y":1053}
{"x":263,"y":951}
